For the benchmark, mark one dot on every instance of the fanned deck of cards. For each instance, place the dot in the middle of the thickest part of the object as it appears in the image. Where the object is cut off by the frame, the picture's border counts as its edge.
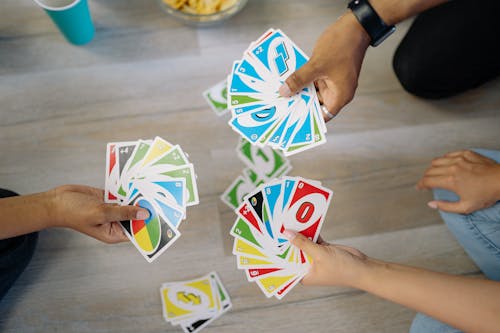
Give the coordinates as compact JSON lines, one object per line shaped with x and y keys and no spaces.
{"x":259,"y":113}
{"x":155,"y":175}
{"x":196,"y":303}
{"x":266,"y":256}
{"x":262,"y":165}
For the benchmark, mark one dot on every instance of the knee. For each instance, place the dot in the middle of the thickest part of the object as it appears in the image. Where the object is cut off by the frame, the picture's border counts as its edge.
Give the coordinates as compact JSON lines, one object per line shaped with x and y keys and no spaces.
{"x":414,"y":74}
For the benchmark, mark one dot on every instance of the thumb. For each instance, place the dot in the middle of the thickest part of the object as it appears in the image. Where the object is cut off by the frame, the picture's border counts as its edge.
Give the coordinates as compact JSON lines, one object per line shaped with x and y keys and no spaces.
{"x":121,"y":213}
{"x":448,"y":206}
{"x":303,"y":243}
{"x":298,"y":80}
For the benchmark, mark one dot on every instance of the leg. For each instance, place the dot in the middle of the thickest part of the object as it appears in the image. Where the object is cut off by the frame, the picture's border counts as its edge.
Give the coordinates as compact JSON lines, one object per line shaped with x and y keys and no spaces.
{"x":425,"y":324}
{"x":450,"y":49}
{"x":479,"y":234}
{"x":15,"y":254}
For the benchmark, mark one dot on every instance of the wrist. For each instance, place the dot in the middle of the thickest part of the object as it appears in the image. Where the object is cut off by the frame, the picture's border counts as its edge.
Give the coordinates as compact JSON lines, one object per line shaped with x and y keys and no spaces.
{"x":355,"y":30}
{"x":50,"y":206}
{"x":364,"y":273}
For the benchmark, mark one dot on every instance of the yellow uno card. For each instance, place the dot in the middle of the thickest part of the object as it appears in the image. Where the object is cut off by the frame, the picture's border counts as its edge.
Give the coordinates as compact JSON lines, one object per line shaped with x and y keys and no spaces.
{"x":158,"y":147}
{"x":183,"y":299}
{"x":248,"y":262}
{"x":241,"y":247}
{"x":269,"y":285}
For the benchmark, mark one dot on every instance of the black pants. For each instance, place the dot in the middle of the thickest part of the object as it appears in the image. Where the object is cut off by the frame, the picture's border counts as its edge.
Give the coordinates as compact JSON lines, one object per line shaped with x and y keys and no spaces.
{"x":450,"y":49}
{"x":15,"y":254}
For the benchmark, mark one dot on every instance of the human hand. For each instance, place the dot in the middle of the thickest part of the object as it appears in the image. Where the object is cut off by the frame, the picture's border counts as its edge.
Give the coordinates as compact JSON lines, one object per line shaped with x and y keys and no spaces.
{"x":332,"y":264}
{"x":334,"y":65}
{"x":82,"y":208}
{"x":473,"y":177}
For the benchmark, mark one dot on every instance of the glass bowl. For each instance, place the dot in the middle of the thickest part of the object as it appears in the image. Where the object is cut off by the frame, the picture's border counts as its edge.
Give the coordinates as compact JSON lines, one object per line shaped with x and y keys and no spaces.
{"x":202,"y":20}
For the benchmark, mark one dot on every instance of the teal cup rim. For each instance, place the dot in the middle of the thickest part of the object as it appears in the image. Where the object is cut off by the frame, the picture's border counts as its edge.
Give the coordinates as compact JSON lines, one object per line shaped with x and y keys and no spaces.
{"x":44,"y":6}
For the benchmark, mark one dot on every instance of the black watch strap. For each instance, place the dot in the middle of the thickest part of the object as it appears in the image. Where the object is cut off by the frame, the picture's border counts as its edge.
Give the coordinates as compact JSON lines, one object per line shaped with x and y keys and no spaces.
{"x":371,"y":21}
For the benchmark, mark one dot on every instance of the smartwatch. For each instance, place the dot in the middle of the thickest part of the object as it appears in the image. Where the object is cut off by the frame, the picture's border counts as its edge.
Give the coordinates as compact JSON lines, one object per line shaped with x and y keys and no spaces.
{"x":371,"y":21}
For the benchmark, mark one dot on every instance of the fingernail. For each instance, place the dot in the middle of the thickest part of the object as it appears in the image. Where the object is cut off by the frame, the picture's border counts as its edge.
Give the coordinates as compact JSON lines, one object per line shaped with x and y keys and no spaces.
{"x":432,"y":204}
{"x":285,"y":90}
{"x":142,"y":214}
{"x":290,"y":235}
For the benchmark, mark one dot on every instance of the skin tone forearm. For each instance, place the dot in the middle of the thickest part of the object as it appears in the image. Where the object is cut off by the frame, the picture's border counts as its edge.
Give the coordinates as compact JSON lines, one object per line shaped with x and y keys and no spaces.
{"x":469,"y":304}
{"x":77,"y":207}
{"x":24,"y":214}
{"x":338,"y":55}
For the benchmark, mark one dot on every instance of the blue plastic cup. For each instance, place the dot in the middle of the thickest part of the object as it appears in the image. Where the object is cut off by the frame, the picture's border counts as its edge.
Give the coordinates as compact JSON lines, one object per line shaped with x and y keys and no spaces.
{"x":72,"y":17}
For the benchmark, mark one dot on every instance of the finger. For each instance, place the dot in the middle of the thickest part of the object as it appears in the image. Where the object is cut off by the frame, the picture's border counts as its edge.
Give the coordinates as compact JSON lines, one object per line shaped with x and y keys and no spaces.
{"x":430,"y":182}
{"x":443,"y":161}
{"x":303,"y":243}
{"x":109,"y":233}
{"x":121,"y":213}
{"x":320,"y":240}
{"x":320,"y":97}
{"x":298,"y":80}
{"x":438,"y":171}
{"x":448,"y":206}
{"x":332,"y":105}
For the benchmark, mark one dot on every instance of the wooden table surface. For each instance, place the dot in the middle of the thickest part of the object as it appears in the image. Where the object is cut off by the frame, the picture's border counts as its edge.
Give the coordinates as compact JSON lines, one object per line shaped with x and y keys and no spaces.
{"x":142,"y":76}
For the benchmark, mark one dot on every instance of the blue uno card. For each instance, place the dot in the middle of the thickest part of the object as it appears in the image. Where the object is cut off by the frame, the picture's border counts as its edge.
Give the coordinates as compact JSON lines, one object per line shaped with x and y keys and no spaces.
{"x":245,"y":85}
{"x":253,"y":125}
{"x":279,"y":55}
{"x":168,"y":212}
{"x":304,"y":134}
{"x":176,"y":189}
{"x":272,"y":197}
{"x":247,"y":108}
{"x":288,"y":186}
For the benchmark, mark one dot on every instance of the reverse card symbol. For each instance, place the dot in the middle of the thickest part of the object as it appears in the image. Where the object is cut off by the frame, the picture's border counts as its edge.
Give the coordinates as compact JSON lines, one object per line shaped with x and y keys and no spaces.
{"x":281,"y":58}
{"x":188,"y":298}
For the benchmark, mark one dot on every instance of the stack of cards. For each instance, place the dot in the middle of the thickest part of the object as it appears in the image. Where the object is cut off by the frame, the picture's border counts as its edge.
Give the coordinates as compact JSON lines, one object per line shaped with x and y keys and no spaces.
{"x":216,"y":97}
{"x":263,"y":164}
{"x":196,"y":303}
{"x":262,"y":251}
{"x":259,"y":113}
{"x":155,"y":175}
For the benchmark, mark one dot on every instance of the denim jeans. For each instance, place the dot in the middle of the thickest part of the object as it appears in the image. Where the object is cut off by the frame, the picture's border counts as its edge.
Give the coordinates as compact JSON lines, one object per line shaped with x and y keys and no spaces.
{"x":479,"y":234}
{"x":15,"y":254}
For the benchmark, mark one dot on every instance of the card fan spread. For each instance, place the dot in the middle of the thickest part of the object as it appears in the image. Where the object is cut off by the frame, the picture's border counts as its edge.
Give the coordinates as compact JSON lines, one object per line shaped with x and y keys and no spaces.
{"x":155,"y":175}
{"x":259,"y":113}
{"x":266,"y":256}
{"x":196,"y":303}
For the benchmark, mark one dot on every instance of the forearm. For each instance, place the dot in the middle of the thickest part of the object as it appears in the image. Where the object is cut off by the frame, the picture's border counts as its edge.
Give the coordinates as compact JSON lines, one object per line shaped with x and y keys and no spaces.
{"x":24,"y":214}
{"x":395,"y":11}
{"x":469,"y":304}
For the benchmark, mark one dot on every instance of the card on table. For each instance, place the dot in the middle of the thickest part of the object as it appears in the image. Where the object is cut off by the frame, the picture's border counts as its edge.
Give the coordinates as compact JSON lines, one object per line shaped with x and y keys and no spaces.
{"x":194,"y":304}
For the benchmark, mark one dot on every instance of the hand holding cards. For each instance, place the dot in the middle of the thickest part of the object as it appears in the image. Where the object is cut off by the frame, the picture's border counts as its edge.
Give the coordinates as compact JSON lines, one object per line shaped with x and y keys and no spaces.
{"x":155,"y":175}
{"x":196,"y":303}
{"x":259,"y":113}
{"x":268,"y":258}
